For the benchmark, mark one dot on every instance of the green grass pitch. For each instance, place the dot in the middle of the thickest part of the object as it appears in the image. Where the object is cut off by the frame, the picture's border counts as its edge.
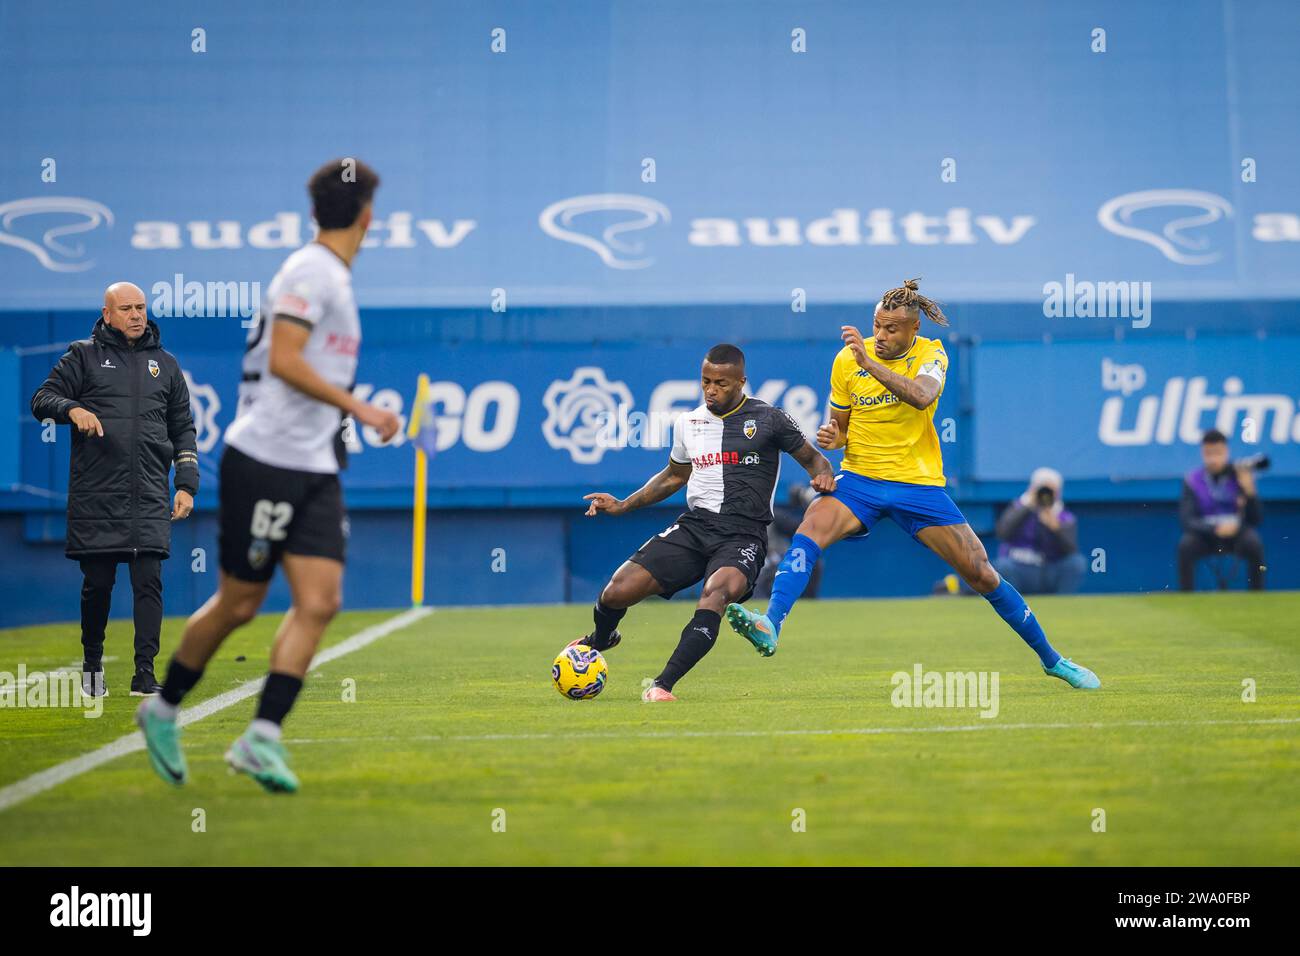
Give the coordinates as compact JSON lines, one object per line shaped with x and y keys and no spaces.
{"x":455,"y":721}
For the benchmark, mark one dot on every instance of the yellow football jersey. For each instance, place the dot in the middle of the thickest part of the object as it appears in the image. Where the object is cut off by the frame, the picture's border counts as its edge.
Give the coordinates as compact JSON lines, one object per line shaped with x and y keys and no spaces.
{"x":887,"y":438}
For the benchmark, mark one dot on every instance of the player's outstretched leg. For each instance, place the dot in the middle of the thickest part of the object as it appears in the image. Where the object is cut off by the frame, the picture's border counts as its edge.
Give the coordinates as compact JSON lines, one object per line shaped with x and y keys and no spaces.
{"x":701,"y":632}
{"x":235,"y":603}
{"x":631,"y":584}
{"x":827,"y":520}
{"x":698,"y":638}
{"x":961,"y":547}
{"x":316,"y":585}
{"x":763,"y":630}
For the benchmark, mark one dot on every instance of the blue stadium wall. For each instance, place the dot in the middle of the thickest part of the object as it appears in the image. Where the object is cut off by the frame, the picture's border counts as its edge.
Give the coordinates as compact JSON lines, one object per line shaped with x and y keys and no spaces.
{"x":1021,"y":148}
{"x":1024,"y":390}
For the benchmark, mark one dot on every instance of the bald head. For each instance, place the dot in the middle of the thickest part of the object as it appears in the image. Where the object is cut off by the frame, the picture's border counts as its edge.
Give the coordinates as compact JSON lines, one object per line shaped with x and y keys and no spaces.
{"x":124,"y":309}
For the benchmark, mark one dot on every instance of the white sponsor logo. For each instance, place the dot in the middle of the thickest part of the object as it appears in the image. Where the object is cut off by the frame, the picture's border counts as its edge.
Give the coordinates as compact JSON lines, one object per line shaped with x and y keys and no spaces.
{"x":205,"y":405}
{"x":579,"y":409}
{"x":848,"y":227}
{"x":613,"y":250}
{"x":1178,"y":412}
{"x":483,"y":419}
{"x":287,"y":230}
{"x":1174,"y":243}
{"x":67,"y":257}
{"x":597,"y":423}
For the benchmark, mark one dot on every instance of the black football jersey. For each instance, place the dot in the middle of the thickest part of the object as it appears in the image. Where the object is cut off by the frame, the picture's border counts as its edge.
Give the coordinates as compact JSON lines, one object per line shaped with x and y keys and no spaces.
{"x":735,"y":458}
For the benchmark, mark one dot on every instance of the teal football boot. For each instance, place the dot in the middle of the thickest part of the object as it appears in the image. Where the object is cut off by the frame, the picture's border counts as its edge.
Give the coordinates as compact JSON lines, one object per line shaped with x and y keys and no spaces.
{"x":1078,"y":677}
{"x":162,"y":739}
{"x":756,"y":628}
{"x":264,"y":760}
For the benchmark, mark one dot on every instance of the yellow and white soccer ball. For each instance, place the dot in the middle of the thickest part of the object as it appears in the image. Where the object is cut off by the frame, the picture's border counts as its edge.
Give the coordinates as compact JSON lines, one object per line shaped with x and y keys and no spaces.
{"x":579,"y":673}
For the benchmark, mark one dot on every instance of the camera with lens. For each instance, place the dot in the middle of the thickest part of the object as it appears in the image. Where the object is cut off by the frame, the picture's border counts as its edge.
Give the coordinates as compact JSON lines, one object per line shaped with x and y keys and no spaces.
{"x":1045,"y":497}
{"x":1253,"y":462}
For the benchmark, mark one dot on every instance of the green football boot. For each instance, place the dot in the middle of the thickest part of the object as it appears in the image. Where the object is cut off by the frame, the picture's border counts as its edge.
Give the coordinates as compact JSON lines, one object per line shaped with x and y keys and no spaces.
{"x":756,"y":628}
{"x":264,"y":760}
{"x":162,"y":740}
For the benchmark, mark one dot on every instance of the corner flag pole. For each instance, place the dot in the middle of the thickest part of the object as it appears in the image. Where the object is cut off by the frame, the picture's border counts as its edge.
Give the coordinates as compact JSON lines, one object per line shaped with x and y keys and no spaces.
{"x":421,"y":494}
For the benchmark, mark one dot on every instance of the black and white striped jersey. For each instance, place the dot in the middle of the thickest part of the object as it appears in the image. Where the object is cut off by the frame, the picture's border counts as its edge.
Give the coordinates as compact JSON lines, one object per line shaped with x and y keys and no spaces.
{"x":735,"y":459}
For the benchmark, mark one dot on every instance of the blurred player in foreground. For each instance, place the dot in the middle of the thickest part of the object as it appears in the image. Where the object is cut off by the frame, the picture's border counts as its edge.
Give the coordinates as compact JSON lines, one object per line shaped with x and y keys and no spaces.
{"x":882,"y":414}
{"x":727,"y":452}
{"x":281,"y":502}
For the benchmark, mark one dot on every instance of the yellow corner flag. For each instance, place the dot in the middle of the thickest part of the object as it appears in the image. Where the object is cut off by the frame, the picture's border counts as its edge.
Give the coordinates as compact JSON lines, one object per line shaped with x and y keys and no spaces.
{"x":424,"y":438}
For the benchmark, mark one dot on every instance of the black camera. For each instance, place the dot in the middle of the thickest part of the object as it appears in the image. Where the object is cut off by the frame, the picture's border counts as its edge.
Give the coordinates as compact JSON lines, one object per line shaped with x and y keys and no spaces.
{"x":1045,"y":497}
{"x":1253,"y":462}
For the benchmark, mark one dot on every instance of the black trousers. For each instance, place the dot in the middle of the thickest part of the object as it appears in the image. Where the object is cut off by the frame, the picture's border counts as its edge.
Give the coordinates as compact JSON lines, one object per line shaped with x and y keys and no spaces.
{"x":1195,"y":546}
{"x":99,"y":574}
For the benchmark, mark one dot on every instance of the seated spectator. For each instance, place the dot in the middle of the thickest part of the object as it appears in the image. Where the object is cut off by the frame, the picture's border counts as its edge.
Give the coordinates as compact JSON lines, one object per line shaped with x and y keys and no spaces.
{"x":1039,"y":551}
{"x":1219,"y":512}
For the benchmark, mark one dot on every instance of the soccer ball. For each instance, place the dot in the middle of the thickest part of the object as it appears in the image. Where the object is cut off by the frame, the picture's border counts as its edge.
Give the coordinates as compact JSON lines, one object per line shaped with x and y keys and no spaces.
{"x":579,"y":673}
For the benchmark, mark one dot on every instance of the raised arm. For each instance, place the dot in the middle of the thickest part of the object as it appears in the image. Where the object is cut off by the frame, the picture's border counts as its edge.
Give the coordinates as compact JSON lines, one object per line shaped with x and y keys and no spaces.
{"x":663,"y":485}
{"x":919,"y":392}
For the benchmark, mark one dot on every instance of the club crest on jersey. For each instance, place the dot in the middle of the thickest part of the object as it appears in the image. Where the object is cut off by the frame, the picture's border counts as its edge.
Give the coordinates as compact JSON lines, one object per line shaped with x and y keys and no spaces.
{"x":751,"y":428}
{"x":153,"y":368}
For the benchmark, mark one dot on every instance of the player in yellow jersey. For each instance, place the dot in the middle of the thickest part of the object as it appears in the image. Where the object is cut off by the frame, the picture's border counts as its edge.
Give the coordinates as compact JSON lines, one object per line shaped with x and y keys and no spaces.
{"x":883,"y":399}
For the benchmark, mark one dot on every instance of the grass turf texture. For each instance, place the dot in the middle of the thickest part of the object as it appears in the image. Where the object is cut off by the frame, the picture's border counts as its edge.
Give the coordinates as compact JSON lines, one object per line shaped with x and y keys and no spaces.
{"x":715,"y":778}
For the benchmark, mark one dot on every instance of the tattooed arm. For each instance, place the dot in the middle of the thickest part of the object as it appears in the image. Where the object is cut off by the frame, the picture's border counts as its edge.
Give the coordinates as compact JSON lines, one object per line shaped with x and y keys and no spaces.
{"x":817,"y":466}
{"x":918,"y":392}
{"x":663,"y":485}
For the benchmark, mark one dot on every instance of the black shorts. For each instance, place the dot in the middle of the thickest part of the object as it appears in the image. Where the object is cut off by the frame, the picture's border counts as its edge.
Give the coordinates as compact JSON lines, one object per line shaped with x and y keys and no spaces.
{"x":268,"y":511}
{"x":693,"y":547}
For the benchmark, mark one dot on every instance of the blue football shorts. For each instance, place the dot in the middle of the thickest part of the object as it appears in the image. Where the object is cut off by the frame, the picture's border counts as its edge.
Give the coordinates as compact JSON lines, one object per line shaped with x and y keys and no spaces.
{"x":913,"y":507}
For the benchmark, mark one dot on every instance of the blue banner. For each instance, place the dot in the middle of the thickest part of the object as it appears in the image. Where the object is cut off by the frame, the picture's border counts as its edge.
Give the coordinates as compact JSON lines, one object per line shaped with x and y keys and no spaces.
{"x":673,"y":152}
{"x":533,"y":418}
{"x":1133,"y":409}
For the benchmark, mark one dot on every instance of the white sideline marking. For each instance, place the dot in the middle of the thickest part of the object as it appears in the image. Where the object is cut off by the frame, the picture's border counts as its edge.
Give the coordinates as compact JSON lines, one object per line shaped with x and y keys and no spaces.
{"x":847,"y":731}
{"x":29,"y":787}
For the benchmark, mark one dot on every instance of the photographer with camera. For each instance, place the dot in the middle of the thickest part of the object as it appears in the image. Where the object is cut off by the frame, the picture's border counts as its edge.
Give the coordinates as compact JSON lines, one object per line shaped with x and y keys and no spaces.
{"x":1219,"y":511}
{"x":1039,"y":553}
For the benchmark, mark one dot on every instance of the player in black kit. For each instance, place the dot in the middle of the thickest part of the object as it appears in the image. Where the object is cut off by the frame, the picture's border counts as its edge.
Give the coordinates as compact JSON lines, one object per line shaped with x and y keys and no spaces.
{"x":727,"y":452}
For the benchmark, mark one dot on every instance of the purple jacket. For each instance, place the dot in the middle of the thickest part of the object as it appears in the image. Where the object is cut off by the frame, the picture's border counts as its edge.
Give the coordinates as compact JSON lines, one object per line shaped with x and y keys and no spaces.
{"x":1025,"y":538}
{"x":1214,"y":497}
{"x":1206,"y":500}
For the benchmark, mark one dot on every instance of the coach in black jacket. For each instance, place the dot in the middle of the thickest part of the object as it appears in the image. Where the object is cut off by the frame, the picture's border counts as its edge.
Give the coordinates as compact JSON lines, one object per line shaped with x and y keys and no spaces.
{"x":130,"y":410}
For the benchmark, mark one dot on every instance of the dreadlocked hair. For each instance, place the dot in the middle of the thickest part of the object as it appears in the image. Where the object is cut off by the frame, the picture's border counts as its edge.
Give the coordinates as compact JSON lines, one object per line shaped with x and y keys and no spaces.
{"x":906,"y":297}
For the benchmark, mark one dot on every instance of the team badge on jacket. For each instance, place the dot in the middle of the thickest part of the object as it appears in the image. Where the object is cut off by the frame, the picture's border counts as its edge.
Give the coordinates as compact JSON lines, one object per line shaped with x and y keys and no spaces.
{"x":751,"y":427}
{"x":153,"y":368}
